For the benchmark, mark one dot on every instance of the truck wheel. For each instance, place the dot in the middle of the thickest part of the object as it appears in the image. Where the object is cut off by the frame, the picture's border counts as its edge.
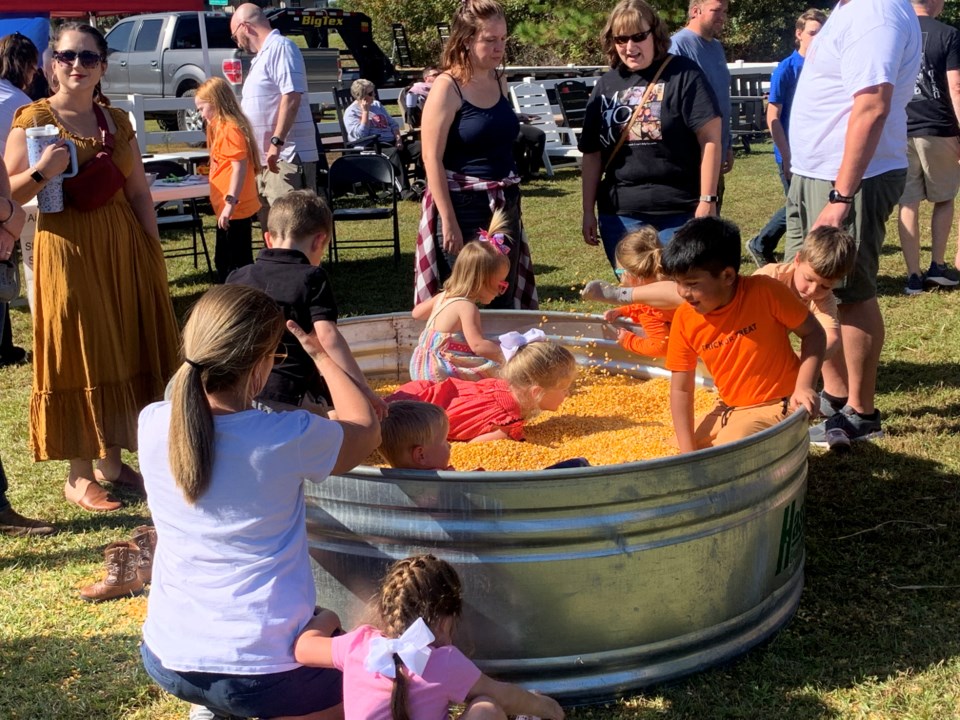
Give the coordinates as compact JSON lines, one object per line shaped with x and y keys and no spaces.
{"x":190,"y":119}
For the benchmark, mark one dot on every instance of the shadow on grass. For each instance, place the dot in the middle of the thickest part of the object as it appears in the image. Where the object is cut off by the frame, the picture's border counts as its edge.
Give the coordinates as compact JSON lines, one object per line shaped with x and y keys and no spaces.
{"x":881,"y":549}
{"x":900,"y":376}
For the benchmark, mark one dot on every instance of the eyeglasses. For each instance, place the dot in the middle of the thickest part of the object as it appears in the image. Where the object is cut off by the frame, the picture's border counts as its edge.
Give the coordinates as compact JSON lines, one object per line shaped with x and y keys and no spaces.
{"x":636,"y":37}
{"x":279,"y":357}
{"x":88,"y":58}
{"x":233,"y":35}
{"x":502,"y":287}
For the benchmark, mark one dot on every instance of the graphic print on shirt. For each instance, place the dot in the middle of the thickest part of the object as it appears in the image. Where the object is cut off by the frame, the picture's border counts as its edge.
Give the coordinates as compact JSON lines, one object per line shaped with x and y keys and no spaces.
{"x":377,"y":121}
{"x":619,"y":109}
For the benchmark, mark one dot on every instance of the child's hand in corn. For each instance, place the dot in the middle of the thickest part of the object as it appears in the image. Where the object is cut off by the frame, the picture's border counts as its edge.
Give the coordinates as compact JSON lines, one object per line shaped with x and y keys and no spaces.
{"x":601,"y":291}
{"x":612,"y":314}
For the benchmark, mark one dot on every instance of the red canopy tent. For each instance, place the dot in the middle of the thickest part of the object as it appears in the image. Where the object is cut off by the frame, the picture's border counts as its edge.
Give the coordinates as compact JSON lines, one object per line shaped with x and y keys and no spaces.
{"x":83,"y":8}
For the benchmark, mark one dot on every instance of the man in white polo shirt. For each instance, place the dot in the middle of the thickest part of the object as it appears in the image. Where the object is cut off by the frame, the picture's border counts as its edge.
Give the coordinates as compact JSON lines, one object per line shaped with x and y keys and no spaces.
{"x":848,"y":147}
{"x":274,"y":101}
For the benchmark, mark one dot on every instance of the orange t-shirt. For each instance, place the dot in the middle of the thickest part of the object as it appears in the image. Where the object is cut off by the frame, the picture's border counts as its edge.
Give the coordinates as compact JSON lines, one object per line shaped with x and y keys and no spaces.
{"x":745,"y":345}
{"x":226,"y":145}
{"x":656,"y":325}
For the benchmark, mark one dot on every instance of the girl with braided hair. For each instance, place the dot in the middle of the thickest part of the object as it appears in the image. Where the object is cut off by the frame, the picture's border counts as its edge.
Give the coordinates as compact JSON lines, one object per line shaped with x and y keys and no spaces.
{"x":404,"y":666}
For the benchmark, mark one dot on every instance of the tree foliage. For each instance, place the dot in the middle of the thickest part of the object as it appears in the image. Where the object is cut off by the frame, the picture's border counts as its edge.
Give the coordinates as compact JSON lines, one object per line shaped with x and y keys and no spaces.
{"x":558,"y":32}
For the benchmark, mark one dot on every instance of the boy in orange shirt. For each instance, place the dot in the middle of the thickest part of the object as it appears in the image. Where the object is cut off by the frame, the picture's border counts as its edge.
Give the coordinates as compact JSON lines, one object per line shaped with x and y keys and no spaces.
{"x":740,"y":327}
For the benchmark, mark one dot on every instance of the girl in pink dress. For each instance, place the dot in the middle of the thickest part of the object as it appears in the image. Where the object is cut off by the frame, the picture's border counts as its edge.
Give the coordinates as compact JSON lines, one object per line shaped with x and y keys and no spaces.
{"x":404,"y":666}
{"x":537,"y":376}
{"x":452,"y":344}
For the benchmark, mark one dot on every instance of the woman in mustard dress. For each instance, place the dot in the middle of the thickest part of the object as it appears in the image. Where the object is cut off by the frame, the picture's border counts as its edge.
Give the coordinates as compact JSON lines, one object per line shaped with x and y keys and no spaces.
{"x":105,"y":336}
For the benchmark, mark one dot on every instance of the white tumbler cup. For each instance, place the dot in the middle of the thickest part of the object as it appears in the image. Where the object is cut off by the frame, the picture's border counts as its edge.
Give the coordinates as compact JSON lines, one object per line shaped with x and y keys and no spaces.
{"x":50,"y":197}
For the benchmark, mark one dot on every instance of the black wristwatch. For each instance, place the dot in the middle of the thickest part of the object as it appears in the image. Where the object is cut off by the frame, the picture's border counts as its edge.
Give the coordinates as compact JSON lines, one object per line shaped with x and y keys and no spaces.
{"x":37,"y":176}
{"x":836,"y":197}
{"x":276,"y":142}
{"x":230,"y":199}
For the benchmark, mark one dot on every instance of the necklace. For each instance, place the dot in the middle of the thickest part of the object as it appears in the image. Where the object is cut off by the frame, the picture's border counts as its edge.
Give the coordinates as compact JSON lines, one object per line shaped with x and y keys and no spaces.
{"x":71,"y":127}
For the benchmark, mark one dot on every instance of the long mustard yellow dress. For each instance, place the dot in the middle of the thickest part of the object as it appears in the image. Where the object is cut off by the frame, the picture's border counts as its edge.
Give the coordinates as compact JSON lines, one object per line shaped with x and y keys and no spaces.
{"x":105,"y":337}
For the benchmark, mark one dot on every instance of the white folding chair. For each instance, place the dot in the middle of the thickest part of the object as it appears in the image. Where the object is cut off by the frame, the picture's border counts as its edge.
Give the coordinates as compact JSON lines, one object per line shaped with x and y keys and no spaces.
{"x":531,"y":99}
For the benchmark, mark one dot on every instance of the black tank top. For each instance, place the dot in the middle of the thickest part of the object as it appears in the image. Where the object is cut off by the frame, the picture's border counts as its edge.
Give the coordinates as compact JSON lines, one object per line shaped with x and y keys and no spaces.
{"x":480,"y":141}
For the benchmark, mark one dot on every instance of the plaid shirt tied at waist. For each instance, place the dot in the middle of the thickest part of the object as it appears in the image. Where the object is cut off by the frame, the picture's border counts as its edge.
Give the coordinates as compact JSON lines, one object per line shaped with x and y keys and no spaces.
{"x":426,"y":276}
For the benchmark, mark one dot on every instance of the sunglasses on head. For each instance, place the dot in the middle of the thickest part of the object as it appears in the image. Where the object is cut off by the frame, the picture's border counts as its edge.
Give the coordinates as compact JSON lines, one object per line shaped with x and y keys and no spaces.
{"x":636,"y":37}
{"x":88,"y":58}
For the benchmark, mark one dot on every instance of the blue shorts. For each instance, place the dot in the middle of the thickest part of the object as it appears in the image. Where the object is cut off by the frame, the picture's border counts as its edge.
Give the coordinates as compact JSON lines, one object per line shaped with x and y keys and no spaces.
{"x":614,"y":227}
{"x":301,"y":691}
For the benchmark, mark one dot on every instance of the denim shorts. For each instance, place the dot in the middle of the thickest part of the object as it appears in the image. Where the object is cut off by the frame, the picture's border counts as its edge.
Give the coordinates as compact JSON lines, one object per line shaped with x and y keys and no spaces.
{"x":301,"y":691}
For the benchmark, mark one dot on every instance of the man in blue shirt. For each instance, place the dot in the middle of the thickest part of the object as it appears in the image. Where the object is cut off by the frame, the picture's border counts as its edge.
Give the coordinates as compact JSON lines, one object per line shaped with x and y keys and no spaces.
{"x":783,"y":85}
{"x":698,"y":41}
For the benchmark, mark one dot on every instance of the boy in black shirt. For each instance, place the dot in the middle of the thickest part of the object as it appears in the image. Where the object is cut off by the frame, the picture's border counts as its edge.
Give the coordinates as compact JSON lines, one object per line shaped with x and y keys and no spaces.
{"x":288,"y":270}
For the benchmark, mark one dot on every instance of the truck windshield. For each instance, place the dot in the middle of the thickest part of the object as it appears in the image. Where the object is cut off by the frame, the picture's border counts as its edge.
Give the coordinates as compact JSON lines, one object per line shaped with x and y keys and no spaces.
{"x":187,"y":34}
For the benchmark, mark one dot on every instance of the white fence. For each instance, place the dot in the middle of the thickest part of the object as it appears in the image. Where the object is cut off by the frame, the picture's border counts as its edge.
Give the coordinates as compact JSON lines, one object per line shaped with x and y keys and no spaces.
{"x":139,"y":107}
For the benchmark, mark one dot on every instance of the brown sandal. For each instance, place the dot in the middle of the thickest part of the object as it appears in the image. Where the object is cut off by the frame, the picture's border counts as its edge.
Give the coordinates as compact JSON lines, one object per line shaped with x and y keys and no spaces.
{"x":89,"y":495}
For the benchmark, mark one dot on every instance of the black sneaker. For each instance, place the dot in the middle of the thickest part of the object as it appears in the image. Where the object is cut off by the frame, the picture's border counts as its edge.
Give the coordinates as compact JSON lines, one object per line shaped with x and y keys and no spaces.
{"x":846,"y":427}
{"x":941,"y":274}
{"x":13,"y":356}
{"x":830,"y":407}
{"x":914,"y":285}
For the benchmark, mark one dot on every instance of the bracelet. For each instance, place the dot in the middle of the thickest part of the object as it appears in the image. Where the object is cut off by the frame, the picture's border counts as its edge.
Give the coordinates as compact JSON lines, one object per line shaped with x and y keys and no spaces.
{"x":12,"y":210}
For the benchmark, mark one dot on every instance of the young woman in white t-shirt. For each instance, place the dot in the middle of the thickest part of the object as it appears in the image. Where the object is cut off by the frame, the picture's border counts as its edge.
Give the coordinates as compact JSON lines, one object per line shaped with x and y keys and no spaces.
{"x":232,"y":585}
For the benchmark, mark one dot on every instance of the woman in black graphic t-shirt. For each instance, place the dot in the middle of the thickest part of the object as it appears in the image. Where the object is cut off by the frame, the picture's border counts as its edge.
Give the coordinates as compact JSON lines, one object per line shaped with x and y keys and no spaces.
{"x":666,"y":169}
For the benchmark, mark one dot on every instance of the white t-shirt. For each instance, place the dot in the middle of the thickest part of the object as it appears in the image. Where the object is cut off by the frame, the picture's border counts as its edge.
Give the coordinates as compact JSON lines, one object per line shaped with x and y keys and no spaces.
{"x":863,"y":43}
{"x":232,"y":585}
{"x":278,"y":69}
{"x":11,"y":99}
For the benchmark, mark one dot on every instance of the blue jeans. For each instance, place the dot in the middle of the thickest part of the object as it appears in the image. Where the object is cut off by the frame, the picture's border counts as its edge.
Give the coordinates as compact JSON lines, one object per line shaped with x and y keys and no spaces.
{"x":769,"y":237}
{"x":301,"y":691}
{"x":473,"y":212}
{"x":614,"y":227}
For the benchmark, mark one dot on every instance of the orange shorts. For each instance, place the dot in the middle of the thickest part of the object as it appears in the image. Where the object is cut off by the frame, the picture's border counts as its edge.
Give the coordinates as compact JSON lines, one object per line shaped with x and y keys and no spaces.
{"x":725,"y":424}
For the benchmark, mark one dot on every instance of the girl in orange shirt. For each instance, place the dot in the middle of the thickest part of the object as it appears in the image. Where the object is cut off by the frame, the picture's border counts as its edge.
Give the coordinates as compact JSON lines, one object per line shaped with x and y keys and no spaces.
{"x":234,"y":163}
{"x":638,"y":263}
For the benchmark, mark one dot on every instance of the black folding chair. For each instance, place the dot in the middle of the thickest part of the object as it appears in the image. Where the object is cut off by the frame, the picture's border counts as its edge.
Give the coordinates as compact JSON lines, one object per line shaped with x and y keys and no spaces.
{"x":572,"y":97}
{"x":342,"y":99}
{"x":179,"y":220}
{"x":356,"y":182}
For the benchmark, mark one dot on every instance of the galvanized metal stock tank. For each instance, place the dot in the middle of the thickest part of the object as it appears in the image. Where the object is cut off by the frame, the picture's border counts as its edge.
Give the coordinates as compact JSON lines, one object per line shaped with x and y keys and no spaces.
{"x":581,"y":583}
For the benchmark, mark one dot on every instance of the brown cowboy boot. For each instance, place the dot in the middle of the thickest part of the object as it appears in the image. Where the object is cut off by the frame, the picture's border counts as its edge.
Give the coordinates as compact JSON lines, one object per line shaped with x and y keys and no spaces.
{"x":145,"y":538}
{"x":121,"y":559}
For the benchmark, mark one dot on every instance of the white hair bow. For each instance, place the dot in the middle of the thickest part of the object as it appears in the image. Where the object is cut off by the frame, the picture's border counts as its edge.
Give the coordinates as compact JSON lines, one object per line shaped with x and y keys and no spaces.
{"x":413,"y":647}
{"x":512,"y":341}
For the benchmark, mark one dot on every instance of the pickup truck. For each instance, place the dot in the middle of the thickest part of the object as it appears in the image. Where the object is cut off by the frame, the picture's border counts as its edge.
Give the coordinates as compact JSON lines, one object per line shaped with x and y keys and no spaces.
{"x":160,"y":55}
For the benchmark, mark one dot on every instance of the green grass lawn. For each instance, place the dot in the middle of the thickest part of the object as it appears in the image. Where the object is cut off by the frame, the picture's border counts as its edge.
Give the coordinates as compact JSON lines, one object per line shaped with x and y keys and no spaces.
{"x":877,"y":634}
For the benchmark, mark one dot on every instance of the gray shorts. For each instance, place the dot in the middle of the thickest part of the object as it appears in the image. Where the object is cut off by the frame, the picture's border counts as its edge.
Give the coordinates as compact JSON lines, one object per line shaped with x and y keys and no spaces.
{"x":291,"y":176}
{"x":866,"y":221}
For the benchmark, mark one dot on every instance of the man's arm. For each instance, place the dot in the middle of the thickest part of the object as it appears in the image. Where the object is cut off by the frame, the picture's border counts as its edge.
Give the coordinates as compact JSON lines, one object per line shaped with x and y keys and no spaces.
{"x":779,"y":136}
{"x":289,"y":105}
{"x":953,"y":85}
{"x":871,"y":106}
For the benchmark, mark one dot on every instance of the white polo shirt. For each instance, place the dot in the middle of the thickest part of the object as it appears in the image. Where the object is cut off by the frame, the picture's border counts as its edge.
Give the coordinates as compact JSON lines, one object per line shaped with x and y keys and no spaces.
{"x":278,"y":69}
{"x":863,"y":43}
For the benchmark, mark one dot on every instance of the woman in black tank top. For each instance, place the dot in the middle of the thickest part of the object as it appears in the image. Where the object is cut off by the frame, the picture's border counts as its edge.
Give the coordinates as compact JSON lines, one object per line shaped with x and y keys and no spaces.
{"x":468,"y":132}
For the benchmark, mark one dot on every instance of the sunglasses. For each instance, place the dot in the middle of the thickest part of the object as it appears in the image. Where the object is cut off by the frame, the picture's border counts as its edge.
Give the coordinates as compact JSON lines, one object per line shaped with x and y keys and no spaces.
{"x":636,"y":37}
{"x":502,"y":287}
{"x":88,"y":58}
{"x":279,"y":357}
